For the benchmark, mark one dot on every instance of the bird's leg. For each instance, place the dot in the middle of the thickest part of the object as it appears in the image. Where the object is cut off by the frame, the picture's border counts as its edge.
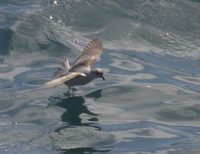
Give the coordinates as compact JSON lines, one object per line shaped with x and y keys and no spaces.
{"x":70,"y":91}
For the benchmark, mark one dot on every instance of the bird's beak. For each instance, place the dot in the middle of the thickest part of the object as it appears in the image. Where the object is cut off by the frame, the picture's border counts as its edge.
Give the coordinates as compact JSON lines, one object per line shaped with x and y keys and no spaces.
{"x":103,"y":77}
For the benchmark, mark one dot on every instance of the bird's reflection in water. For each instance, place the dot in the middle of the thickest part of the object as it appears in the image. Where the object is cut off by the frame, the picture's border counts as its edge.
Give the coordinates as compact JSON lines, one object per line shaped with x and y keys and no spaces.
{"x":84,"y":151}
{"x":95,"y":94}
{"x":75,"y":106}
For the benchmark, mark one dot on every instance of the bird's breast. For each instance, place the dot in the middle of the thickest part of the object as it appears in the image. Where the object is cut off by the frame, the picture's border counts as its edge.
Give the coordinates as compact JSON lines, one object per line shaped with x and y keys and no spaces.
{"x":80,"y":80}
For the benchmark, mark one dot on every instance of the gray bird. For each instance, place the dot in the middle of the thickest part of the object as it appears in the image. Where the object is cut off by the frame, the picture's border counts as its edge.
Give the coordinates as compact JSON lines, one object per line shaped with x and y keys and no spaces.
{"x":79,"y":73}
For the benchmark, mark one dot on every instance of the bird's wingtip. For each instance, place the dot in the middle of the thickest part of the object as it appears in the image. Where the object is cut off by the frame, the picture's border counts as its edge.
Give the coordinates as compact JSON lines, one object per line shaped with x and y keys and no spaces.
{"x":95,"y":43}
{"x":67,"y":63}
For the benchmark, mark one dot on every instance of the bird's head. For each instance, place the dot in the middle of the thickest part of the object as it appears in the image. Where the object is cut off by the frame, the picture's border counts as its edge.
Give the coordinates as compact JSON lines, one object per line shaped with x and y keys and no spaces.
{"x":99,"y":73}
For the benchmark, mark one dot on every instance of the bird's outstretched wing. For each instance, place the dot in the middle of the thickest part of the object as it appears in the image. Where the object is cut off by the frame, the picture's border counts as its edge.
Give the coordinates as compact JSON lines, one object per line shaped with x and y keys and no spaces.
{"x":68,"y":76}
{"x":62,"y":69}
{"x":90,"y":54}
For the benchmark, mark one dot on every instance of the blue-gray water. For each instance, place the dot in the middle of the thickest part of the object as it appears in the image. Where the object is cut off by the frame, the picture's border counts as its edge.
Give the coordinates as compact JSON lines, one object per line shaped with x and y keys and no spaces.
{"x":150,"y":101}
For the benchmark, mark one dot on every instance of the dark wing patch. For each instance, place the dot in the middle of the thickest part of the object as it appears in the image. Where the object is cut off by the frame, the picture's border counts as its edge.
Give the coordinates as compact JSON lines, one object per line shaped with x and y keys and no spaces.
{"x":62,"y":79}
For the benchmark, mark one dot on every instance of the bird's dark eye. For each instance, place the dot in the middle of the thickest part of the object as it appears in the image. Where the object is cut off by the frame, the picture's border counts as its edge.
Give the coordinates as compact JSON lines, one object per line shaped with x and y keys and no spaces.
{"x":98,"y":73}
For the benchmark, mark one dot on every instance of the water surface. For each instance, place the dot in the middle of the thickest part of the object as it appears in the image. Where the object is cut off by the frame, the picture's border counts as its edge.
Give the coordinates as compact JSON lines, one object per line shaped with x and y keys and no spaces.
{"x":149,"y":102}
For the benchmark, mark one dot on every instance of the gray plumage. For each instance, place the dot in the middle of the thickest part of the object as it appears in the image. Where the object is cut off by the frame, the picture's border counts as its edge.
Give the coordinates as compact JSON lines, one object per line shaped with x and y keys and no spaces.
{"x":80,"y":73}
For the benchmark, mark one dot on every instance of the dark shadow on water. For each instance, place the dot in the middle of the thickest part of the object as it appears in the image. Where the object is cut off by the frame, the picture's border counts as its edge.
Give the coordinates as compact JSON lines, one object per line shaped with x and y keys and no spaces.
{"x":95,"y":94}
{"x":83,"y":151}
{"x":75,"y":106}
{"x":5,"y":41}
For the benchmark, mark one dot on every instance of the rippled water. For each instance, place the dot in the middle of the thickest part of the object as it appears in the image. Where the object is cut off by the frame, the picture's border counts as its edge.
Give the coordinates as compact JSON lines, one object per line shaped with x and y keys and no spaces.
{"x":149,"y":102}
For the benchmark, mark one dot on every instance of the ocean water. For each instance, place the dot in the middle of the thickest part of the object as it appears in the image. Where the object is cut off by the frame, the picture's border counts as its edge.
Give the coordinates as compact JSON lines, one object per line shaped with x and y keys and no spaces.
{"x":150,"y":101}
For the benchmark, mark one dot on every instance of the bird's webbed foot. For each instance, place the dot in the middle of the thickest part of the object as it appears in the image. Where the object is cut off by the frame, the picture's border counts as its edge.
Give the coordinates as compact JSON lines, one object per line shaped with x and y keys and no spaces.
{"x":74,"y":88}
